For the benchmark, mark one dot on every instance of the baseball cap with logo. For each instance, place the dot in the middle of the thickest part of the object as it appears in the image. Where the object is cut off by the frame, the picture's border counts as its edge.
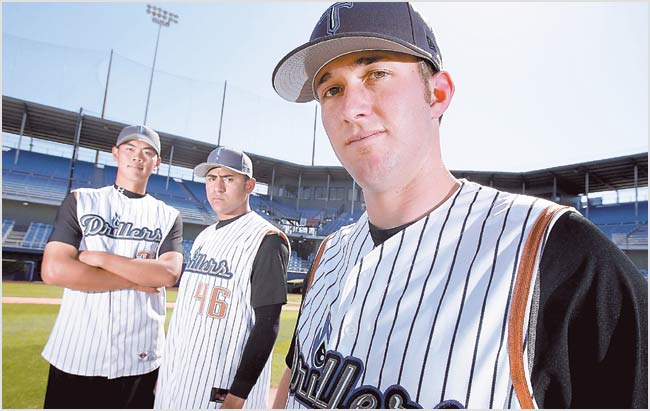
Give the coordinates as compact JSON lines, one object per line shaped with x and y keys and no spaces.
{"x":349,"y":27}
{"x":143,"y":133}
{"x":229,"y":158}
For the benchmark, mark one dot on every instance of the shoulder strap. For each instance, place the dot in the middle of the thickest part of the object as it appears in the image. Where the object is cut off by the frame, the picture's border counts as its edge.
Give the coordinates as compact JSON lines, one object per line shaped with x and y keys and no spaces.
{"x":519,"y":302}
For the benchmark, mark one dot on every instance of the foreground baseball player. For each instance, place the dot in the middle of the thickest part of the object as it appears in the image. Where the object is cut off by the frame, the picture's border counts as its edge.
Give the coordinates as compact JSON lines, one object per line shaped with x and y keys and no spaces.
{"x":112,"y":248}
{"x":227,"y":314}
{"x":445,"y":293}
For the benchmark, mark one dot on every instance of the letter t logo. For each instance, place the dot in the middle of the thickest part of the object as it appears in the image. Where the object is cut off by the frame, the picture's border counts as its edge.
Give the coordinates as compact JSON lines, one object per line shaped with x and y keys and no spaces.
{"x":335,"y":20}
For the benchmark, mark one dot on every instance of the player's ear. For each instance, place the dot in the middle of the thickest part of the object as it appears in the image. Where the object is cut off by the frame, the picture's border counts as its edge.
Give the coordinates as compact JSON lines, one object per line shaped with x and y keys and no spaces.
{"x":250,"y":185}
{"x":442,"y":89}
{"x":114,"y":152}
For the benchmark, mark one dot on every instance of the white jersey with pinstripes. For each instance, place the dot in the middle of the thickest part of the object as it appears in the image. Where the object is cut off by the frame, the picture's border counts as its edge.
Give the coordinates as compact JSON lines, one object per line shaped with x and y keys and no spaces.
{"x":115,"y":333}
{"x":213,"y":318}
{"x":420,"y":320}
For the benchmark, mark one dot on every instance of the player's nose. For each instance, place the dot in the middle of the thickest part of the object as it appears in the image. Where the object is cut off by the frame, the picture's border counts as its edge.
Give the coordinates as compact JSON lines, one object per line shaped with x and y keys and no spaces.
{"x":138,"y":155}
{"x":355,"y":102}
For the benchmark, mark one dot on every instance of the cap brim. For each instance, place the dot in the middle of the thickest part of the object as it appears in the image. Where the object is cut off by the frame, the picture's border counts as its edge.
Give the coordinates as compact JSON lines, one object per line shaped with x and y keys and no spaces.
{"x":202,"y":169}
{"x":140,"y":137}
{"x":293,"y":77}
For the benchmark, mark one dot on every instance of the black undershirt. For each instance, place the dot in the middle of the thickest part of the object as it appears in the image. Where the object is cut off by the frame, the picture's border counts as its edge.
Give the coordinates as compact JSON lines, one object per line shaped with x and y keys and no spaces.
{"x":268,"y":294}
{"x":269,"y":274}
{"x":592,"y":324}
{"x":379,"y":236}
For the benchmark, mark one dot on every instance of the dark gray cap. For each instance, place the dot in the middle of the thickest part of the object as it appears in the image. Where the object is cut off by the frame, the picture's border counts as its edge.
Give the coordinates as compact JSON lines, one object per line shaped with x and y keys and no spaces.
{"x":349,"y":27}
{"x":229,"y":158}
{"x":143,"y":133}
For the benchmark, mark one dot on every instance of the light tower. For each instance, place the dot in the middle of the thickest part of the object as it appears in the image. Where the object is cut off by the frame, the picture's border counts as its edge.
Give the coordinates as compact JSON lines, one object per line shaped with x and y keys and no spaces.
{"x":161,"y":18}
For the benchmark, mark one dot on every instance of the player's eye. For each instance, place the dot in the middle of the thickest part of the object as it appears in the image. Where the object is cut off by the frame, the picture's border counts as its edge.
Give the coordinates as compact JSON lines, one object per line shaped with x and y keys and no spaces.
{"x":378,"y":74}
{"x":332,"y":91}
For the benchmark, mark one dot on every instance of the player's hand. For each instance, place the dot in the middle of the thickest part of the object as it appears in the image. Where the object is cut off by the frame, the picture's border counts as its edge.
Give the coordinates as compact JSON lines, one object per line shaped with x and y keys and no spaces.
{"x":233,"y":402}
{"x":91,"y":258}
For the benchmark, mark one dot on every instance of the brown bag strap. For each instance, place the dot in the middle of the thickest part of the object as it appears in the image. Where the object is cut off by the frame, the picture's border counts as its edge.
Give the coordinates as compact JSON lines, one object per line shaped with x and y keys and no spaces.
{"x":319,"y":254}
{"x":519,"y":303}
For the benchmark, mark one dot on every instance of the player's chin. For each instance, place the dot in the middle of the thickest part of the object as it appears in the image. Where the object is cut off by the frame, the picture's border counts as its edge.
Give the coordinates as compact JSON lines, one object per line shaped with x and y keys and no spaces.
{"x":216,"y":206}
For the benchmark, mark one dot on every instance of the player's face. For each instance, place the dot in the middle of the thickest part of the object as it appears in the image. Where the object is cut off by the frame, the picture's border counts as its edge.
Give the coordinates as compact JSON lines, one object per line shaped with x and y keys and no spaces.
{"x":228,"y":192}
{"x":136,"y":161}
{"x":376,"y":114}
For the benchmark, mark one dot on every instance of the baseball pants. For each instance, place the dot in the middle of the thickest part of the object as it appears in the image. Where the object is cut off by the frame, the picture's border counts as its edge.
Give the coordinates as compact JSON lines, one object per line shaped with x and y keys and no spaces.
{"x":77,"y":391}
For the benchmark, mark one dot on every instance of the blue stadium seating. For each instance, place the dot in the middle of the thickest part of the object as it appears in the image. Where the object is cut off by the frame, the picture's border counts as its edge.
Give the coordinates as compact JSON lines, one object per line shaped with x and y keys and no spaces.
{"x":297,"y":264}
{"x":108,"y":176}
{"x":84,"y":174}
{"x":617,"y":213}
{"x":7,"y":226}
{"x":37,"y":235}
{"x":36,"y":163}
{"x":44,"y":177}
{"x":158,"y":184}
{"x":197,"y":189}
{"x":620,"y":224}
{"x":341,"y":221}
{"x":21,"y":186}
{"x":187,"y":247}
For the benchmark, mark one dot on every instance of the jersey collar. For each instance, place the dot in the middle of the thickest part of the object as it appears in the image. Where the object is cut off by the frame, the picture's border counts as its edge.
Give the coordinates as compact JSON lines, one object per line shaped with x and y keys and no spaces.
{"x":127,"y":193}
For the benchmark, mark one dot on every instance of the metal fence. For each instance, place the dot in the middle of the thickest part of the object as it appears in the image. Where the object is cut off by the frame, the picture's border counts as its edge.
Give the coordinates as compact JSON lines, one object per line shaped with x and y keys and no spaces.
{"x":72,"y":78}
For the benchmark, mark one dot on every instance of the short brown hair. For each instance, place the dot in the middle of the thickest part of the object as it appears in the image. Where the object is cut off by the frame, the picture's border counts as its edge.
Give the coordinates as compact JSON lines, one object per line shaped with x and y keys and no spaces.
{"x":426,"y":71}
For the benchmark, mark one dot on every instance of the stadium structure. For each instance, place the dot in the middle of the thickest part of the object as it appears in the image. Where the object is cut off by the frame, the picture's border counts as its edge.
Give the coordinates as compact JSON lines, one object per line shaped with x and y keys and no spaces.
{"x":306,"y":202}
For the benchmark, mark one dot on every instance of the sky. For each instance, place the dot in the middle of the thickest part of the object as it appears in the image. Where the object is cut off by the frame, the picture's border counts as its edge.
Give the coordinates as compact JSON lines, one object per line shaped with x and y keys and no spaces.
{"x":538,"y":85}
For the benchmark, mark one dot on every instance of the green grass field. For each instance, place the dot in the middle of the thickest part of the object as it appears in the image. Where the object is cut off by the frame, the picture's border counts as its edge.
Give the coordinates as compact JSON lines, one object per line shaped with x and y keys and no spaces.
{"x":26,"y":327}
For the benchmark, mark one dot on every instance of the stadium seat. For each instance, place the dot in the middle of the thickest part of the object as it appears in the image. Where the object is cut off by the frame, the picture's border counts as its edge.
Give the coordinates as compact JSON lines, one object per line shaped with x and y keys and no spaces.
{"x":37,"y":235}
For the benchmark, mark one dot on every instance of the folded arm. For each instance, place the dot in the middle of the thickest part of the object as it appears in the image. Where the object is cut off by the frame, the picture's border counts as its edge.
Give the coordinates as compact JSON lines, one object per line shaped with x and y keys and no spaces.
{"x":163,"y":271}
{"x":62,"y":267}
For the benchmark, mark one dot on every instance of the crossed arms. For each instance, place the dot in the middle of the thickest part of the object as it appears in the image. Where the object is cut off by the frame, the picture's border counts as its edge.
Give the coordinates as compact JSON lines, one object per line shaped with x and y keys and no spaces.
{"x":65,"y":266}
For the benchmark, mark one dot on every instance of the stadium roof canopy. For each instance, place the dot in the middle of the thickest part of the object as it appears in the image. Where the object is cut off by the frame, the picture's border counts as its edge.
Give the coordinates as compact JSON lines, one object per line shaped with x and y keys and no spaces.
{"x":54,"y":124}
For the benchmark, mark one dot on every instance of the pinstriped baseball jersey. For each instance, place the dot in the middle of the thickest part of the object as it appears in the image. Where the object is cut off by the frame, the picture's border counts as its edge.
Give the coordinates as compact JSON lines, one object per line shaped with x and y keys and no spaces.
{"x":213,"y":318}
{"x":114,"y":333}
{"x":420,"y":320}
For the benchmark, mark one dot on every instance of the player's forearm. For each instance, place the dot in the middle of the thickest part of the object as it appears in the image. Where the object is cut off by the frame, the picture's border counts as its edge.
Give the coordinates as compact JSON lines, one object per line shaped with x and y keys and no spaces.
{"x":282,"y":393}
{"x":257,"y":350}
{"x":75,"y":275}
{"x":144,"y":272}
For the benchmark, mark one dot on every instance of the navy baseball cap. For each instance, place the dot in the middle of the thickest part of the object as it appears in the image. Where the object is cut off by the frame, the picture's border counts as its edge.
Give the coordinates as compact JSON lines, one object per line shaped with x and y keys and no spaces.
{"x":350,"y":27}
{"x":143,"y":133}
{"x":229,"y":158}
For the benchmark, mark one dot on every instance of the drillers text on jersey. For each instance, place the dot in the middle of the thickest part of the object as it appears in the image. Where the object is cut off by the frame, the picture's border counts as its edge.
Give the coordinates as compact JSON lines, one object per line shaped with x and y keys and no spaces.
{"x":200,"y":263}
{"x":93,"y":224}
{"x":332,"y":386}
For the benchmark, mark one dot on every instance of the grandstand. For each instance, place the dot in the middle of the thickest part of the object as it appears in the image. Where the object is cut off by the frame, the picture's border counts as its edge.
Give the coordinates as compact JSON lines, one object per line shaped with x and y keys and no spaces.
{"x":306,"y":202}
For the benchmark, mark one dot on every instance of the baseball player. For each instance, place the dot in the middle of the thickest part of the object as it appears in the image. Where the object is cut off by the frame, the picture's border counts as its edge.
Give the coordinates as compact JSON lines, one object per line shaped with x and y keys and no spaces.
{"x":114,"y":249}
{"x":445,"y":293}
{"x":227,"y":314}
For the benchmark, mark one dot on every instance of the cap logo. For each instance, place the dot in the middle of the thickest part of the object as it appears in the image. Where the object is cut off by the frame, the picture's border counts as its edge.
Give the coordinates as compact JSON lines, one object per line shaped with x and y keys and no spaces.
{"x":432,"y":44}
{"x":334,"y":22}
